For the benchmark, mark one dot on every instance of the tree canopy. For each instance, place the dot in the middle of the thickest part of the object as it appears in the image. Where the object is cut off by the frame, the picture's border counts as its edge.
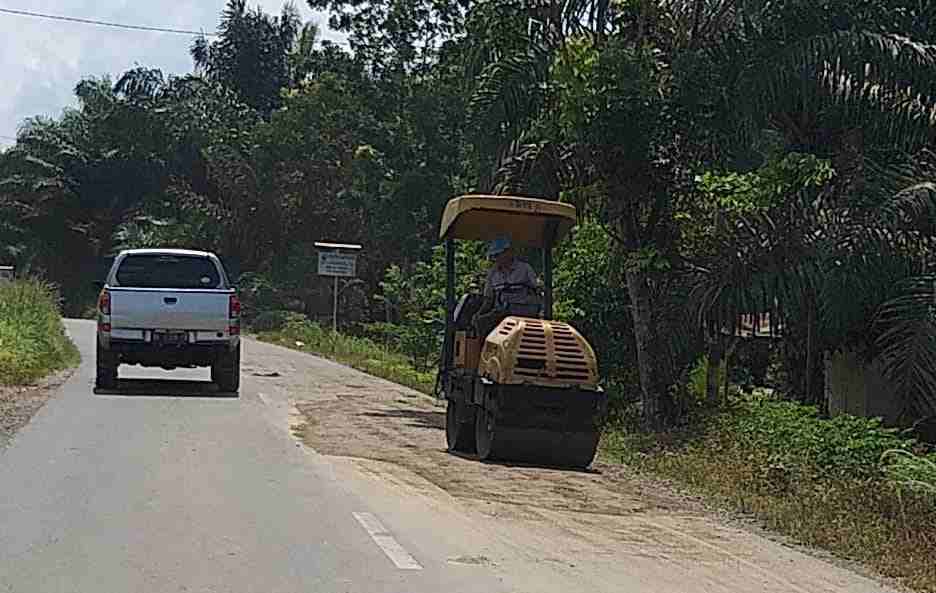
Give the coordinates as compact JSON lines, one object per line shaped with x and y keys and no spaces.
{"x":729,"y":158}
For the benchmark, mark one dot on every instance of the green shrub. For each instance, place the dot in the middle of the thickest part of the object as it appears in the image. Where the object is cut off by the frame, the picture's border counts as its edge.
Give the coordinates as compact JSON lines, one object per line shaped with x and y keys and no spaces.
{"x":916,"y":473}
{"x":274,"y":320}
{"x":793,"y":435}
{"x":32,"y":339}
{"x":846,"y":485}
{"x":698,"y":376}
{"x":363,"y":353}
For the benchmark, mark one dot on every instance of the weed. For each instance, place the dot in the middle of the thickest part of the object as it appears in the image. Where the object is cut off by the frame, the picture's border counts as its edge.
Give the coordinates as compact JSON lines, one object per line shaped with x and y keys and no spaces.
{"x":360,"y":353}
{"x":32,"y":339}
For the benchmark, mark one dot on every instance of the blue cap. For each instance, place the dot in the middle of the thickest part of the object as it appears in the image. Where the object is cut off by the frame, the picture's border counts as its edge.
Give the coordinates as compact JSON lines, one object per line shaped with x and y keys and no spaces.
{"x":498,"y":246}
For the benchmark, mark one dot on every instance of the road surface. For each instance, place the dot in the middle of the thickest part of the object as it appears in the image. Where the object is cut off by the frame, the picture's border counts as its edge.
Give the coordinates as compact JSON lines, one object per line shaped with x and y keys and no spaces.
{"x":168,"y":487}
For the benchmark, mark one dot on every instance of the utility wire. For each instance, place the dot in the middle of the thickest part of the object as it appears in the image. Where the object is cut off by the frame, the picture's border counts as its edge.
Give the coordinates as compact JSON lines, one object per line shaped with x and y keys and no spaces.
{"x":103,"y":23}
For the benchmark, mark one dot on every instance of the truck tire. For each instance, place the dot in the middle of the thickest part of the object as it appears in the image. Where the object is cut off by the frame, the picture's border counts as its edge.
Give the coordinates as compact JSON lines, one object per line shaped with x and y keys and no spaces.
{"x":225,"y":372}
{"x":106,"y":366}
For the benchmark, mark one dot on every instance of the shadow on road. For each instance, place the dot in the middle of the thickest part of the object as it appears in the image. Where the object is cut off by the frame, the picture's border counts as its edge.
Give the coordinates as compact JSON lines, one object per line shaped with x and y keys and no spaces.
{"x":523,"y":465}
{"x":165,"y":388}
{"x":418,"y":418}
{"x":436,"y":421}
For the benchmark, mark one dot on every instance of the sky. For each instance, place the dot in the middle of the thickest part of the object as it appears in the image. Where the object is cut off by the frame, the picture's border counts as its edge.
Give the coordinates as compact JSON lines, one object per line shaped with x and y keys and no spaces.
{"x":42,"y":60}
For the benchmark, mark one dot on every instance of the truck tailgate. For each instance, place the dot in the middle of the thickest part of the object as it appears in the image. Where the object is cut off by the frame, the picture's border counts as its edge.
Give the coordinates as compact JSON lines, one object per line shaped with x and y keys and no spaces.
{"x":153,"y":308}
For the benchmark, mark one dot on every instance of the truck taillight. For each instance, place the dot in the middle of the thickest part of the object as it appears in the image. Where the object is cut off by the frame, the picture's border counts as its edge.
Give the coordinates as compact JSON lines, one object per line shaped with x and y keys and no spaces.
{"x":104,"y":303}
{"x":234,"y":310}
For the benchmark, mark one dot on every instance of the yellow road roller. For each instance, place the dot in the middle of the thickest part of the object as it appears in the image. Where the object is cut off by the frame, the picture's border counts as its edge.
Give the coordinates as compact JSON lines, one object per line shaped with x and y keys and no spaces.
{"x":519,"y":386}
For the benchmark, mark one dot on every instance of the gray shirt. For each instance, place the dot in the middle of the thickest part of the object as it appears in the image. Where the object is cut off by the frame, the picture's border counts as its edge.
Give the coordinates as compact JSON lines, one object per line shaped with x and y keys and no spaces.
{"x":519,"y":272}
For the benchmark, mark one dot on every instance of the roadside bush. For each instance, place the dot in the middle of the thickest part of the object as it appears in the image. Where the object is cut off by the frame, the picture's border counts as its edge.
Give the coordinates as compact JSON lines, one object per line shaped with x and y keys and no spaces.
{"x":847,"y":484}
{"x":362,"y":353}
{"x":792,"y":435}
{"x":697,"y":378}
{"x":259,"y":294}
{"x":916,"y":473}
{"x":274,"y":320}
{"x":32,"y":338}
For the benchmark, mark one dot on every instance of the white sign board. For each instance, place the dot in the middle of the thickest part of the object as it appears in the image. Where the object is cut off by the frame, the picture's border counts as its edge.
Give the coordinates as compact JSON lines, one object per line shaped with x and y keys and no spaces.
{"x":6,"y":273}
{"x":337,"y":264}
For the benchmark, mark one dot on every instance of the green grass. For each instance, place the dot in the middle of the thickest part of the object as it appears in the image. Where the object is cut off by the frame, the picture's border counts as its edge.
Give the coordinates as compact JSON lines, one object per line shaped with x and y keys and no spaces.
{"x":32,"y":338}
{"x":360,"y":353}
{"x":846,"y":485}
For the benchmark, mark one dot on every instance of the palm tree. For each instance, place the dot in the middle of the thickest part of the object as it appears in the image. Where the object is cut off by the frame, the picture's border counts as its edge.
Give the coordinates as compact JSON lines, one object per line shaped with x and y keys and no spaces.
{"x":863,"y":98}
{"x":253,"y":52}
{"x":850,"y":95}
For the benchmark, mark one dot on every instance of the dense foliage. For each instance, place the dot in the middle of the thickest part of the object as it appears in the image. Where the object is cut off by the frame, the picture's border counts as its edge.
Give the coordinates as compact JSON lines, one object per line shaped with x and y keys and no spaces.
{"x":728,"y":158}
{"x":32,"y":338}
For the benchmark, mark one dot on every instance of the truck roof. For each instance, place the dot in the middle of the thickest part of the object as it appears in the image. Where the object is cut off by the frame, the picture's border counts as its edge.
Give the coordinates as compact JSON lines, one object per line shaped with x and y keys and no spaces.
{"x":188,"y":252}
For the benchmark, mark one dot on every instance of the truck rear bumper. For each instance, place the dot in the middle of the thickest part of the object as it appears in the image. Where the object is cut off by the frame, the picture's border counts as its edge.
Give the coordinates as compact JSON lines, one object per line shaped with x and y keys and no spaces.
{"x":149,"y":354}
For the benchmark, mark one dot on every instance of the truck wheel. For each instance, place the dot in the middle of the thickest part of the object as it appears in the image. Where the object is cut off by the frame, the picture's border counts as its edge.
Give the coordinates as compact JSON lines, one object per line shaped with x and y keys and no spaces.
{"x":106,"y":363}
{"x":225,"y":372}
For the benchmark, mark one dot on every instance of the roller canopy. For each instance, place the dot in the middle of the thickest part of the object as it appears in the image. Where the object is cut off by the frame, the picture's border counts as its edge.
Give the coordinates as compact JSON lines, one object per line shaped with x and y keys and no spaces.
{"x":527,"y":221}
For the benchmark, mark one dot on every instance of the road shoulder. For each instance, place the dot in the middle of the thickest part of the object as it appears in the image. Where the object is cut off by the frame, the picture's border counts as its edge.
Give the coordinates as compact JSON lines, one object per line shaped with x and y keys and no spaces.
{"x":20,"y":403}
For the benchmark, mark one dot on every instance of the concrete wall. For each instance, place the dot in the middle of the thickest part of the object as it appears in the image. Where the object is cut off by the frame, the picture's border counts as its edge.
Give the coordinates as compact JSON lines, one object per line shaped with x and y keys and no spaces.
{"x":858,"y":388}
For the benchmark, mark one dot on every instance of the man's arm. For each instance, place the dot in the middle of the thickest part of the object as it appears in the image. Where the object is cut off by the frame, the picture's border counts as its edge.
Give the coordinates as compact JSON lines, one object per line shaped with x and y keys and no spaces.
{"x":487,"y":300}
{"x":531,"y":279}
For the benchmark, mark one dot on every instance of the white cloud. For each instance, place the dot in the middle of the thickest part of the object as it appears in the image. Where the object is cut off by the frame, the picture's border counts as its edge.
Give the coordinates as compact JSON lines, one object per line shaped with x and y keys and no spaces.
{"x":41,"y":60}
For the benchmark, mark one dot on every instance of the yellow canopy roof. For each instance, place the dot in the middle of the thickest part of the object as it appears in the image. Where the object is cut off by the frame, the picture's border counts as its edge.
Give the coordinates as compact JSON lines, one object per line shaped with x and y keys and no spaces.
{"x":527,"y":221}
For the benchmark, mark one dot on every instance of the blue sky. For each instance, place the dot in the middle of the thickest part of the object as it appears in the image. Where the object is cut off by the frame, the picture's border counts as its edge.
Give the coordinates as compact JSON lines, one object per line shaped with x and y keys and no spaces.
{"x":42,"y":60}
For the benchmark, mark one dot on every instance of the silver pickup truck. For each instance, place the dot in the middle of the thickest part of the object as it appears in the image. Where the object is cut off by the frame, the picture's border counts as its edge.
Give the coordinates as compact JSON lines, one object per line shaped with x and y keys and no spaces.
{"x":168,"y":308}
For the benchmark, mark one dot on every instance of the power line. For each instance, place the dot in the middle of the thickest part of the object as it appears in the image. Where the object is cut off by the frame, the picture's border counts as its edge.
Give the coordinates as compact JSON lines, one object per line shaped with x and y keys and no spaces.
{"x":71,"y":19}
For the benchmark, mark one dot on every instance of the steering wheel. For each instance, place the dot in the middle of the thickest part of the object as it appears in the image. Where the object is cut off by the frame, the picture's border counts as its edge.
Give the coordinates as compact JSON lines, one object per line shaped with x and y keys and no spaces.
{"x":514,"y":287}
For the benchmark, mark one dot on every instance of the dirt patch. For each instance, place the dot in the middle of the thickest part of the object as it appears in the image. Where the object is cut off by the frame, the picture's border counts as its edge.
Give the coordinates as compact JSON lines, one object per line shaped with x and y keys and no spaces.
{"x":410,"y":432}
{"x":18,"y":404}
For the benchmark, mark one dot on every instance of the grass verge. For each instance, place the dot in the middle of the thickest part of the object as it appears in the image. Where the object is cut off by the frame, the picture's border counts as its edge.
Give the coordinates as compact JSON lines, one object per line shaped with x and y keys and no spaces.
{"x":360,"y":353}
{"x":845,"y":485}
{"x":33,"y":343}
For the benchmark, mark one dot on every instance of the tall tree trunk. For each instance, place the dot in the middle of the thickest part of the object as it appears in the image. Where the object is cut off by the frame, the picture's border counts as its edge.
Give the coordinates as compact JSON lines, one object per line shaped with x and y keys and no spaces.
{"x":729,"y":352}
{"x":716,"y":346}
{"x":638,"y":288}
{"x":809,"y":397}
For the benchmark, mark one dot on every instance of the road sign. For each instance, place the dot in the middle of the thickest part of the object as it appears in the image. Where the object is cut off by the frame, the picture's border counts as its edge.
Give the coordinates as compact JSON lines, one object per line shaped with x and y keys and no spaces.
{"x":6,"y":273}
{"x":342,"y":265}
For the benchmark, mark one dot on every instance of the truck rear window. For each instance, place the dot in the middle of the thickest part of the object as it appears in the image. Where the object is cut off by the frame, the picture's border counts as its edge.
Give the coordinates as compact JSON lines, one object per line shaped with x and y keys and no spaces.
{"x":167,"y":271}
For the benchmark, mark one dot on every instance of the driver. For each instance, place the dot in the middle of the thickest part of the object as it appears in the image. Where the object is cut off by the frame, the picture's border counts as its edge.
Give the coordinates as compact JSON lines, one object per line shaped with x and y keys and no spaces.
{"x":508,"y":271}
{"x":510,"y":281}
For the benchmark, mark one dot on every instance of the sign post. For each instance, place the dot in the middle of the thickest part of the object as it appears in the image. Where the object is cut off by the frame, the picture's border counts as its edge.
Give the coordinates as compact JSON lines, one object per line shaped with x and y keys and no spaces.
{"x":335,"y":261}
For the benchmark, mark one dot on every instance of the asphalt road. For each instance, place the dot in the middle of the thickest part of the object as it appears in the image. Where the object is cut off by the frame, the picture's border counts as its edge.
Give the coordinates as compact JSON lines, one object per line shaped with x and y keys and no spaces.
{"x":168,"y":487}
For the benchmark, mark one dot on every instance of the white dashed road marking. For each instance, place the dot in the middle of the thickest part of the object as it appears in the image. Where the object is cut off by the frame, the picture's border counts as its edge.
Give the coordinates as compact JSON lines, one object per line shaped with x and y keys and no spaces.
{"x":390,"y":546}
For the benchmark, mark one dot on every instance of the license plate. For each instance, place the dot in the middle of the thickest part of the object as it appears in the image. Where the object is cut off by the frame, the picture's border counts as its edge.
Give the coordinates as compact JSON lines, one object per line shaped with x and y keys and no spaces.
{"x":170,"y":337}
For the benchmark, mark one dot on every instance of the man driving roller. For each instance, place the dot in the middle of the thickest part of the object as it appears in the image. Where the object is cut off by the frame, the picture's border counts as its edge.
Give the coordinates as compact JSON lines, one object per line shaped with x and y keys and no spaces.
{"x":508,"y":271}
{"x":510,"y":282}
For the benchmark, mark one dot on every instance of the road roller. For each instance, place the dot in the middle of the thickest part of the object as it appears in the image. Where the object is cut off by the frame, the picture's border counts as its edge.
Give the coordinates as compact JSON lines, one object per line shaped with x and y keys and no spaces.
{"x":521,"y":387}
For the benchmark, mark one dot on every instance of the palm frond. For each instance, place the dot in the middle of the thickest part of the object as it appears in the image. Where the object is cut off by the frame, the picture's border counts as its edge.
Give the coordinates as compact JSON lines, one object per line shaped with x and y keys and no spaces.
{"x":869,"y":76}
{"x":509,"y":92}
{"x":907,"y":341}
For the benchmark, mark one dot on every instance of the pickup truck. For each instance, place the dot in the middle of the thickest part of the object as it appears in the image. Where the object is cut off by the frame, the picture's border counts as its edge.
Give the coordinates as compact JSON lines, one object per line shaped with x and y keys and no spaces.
{"x":168,"y":308}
